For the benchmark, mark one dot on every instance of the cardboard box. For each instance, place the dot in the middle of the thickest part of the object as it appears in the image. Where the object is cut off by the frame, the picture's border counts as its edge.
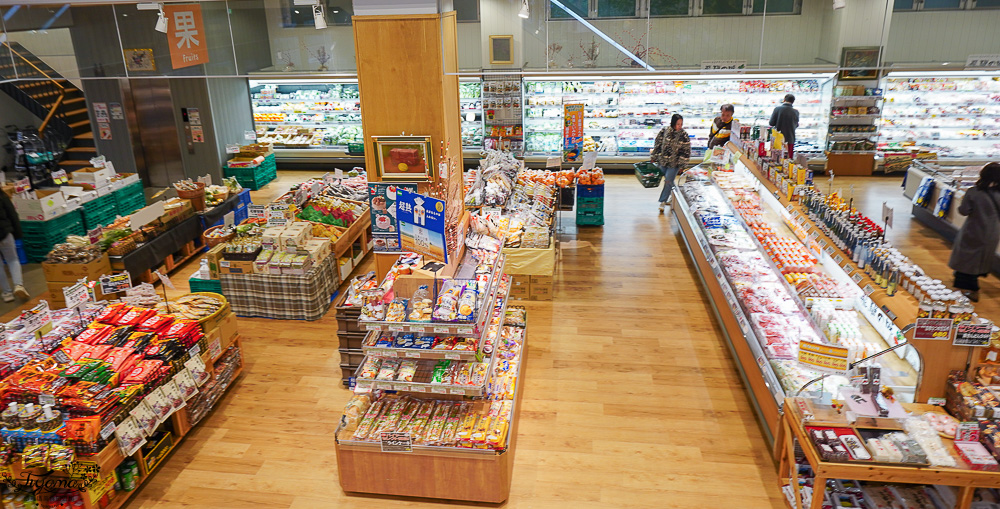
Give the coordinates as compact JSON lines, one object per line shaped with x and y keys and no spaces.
{"x":214,"y":256}
{"x":346,"y":266}
{"x":213,"y":336}
{"x":236,"y":266}
{"x":156,"y":455}
{"x":228,"y":329}
{"x":104,"y":484}
{"x":48,"y":205}
{"x":520,"y":287}
{"x":318,"y":249}
{"x":540,"y":292}
{"x":176,"y":209}
{"x":294,"y":236}
{"x":57,"y":299}
{"x":71,"y":272}
{"x":271,"y":238}
{"x":93,"y":177}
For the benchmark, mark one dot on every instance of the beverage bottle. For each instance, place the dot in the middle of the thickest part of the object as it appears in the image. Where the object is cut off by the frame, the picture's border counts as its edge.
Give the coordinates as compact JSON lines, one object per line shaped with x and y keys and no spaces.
{"x":893,"y":282}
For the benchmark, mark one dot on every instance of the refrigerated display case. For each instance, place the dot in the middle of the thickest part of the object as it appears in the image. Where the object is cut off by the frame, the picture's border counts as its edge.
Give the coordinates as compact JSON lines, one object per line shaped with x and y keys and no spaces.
{"x":954,"y":114}
{"x":623,"y":117}
{"x":470,"y":93}
{"x":303,"y":114}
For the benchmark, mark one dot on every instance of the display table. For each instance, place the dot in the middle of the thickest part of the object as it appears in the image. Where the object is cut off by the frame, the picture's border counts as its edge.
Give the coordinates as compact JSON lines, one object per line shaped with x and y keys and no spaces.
{"x":171,"y":248}
{"x":284,"y":296}
{"x":948,"y":225}
{"x":793,"y":431}
{"x":216,"y":215}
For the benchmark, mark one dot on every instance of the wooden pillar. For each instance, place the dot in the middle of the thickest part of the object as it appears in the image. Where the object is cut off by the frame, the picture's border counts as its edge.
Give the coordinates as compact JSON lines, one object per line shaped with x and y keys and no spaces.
{"x":407,"y":77}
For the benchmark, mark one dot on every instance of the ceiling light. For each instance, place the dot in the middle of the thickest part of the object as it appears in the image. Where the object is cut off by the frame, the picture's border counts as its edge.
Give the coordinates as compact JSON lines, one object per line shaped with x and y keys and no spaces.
{"x":524,"y":12}
{"x":161,"y":22}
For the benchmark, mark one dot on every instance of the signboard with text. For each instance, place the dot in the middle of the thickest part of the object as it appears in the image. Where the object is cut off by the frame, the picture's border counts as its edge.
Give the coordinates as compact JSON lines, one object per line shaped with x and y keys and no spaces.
{"x":185,"y":35}
{"x":382,"y":200}
{"x":421,"y":224}
{"x":826,"y":358}
{"x":572,"y":132}
{"x":937,"y":329}
{"x":970,"y":334}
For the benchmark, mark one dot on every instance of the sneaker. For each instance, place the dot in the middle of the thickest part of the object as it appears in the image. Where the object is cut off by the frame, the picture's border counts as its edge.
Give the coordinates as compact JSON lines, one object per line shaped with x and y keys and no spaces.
{"x":7,"y":296}
{"x":662,"y":205}
{"x":21,"y":293}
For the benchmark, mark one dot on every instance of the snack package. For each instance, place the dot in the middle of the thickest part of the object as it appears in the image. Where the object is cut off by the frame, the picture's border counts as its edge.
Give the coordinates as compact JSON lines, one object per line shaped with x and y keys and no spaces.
{"x":388,"y":369}
{"x":451,"y":425}
{"x":467,"y":304}
{"x":407,"y":369}
{"x":368,"y":421}
{"x":420,"y":418}
{"x":370,"y":368}
{"x":446,"y":309}
{"x":60,"y":457}
{"x":432,"y":434}
{"x":421,"y":305}
{"x":396,"y":311}
{"x":355,"y":410}
{"x":35,"y":456}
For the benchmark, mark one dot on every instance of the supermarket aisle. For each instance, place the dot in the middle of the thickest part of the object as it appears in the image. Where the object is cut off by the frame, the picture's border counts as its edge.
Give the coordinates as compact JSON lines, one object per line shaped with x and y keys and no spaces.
{"x":631,"y":397}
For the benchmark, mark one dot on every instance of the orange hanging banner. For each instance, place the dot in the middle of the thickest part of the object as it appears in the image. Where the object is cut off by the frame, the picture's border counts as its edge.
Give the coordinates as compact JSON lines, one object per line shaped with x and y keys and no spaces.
{"x":185,"y":35}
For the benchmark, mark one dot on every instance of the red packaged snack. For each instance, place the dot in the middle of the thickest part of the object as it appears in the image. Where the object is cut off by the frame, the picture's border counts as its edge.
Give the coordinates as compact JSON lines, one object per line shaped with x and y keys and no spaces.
{"x":143,"y":372}
{"x":95,"y":334}
{"x":155,"y":323}
{"x":135,"y":316}
{"x":110,"y":313}
{"x":98,"y":352}
{"x":75,"y":349}
{"x":122,"y":360}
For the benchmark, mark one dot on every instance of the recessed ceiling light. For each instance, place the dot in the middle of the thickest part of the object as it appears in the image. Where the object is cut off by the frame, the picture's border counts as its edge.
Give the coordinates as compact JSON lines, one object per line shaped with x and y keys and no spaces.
{"x":296,"y":11}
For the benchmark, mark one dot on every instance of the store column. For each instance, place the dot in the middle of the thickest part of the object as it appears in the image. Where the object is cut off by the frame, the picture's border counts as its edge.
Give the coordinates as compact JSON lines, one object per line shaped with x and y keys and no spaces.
{"x":408,"y":81}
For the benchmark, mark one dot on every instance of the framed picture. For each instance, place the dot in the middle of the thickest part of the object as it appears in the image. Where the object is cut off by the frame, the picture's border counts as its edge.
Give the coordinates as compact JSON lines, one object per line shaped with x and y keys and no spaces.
{"x":860,"y":63}
{"x":139,"y":60}
{"x":501,"y":49}
{"x":403,"y":158}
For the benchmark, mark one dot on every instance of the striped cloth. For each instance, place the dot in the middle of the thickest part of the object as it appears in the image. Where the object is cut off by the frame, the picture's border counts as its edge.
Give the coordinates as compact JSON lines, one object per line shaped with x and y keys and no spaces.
{"x":283,"y":297}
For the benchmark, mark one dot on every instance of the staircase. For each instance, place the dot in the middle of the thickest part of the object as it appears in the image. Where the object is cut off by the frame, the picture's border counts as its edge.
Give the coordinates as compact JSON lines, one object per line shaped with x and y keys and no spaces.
{"x":61,"y":106}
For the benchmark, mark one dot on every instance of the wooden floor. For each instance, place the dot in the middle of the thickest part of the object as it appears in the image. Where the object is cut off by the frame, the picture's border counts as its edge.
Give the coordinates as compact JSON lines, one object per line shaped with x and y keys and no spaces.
{"x":631,"y":398}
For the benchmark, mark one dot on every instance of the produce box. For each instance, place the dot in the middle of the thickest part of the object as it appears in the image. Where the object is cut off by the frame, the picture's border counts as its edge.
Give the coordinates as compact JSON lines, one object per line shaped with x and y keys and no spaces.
{"x":214,"y":256}
{"x":47,"y":206}
{"x":236,"y":267}
{"x":93,"y":177}
{"x":71,"y":272}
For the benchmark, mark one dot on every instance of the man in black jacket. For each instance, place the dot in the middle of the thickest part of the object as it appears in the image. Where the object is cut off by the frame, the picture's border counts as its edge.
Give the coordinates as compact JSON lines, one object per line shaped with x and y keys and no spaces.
{"x":785,"y":119}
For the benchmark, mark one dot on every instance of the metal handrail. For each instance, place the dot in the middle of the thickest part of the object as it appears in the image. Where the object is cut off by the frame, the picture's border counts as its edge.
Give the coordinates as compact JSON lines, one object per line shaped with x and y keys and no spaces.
{"x":59,"y":100}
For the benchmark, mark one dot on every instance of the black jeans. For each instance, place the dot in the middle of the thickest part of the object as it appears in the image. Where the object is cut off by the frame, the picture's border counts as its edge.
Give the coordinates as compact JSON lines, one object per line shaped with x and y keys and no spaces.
{"x":968,"y":282}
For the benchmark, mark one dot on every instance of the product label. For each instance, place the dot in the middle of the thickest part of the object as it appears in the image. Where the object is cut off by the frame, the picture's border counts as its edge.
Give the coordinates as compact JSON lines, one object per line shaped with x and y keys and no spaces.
{"x":396,"y":442}
{"x":968,"y":334}
{"x":824,"y":357}
{"x":868,"y":290}
{"x":967,"y":432}
{"x":937,"y":401}
{"x":829,"y":250}
{"x":413,"y":355}
{"x":441,"y":330}
{"x":933,"y":329}
{"x":838,"y":259}
{"x":857,"y":278}
{"x":396,"y":328}
{"x":46,"y":399}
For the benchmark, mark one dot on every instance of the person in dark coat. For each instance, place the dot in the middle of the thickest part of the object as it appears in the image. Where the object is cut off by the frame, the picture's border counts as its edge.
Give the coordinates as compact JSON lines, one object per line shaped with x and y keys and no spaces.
{"x":670,"y":153}
{"x":976,"y":243}
{"x":10,"y":229}
{"x":785,"y":119}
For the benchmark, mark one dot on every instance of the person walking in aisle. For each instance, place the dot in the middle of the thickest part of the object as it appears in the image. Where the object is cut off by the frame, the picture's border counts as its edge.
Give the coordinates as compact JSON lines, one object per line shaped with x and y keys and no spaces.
{"x":670,"y":153}
{"x":722,"y":127}
{"x":976,"y":243}
{"x":10,"y":229}
{"x":785,"y":119}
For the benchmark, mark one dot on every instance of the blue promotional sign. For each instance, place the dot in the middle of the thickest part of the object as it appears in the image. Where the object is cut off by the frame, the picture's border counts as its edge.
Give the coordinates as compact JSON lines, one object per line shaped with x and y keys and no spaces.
{"x":421,"y":224}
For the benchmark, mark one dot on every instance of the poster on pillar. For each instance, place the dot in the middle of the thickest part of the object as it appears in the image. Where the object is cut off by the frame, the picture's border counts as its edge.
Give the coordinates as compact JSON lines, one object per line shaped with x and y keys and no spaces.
{"x":572,"y":132}
{"x":186,"y":35}
{"x":421,"y":224}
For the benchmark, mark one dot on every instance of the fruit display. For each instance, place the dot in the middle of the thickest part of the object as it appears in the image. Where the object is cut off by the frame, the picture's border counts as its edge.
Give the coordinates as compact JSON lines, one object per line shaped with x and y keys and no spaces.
{"x":331,"y":211}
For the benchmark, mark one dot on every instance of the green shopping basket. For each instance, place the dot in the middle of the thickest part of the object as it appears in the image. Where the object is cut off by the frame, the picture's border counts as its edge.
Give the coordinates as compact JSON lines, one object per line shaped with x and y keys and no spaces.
{"x":649,"y":174}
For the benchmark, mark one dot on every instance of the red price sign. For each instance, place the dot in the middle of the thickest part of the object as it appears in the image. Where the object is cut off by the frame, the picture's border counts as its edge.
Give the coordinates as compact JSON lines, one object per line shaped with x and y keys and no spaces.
{"x":938,"y":329}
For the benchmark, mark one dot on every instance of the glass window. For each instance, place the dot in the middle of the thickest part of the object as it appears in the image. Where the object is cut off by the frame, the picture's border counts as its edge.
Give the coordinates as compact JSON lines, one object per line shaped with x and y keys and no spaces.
{"x":466,"y":10}
{"x":902,"y":5}
{"x":668,"y":8}
{"x":722,"y":7}
{"x":942,"y":4}
{"x":577,"y":6}
{"x":615,"y":8}
{"x":774,"y":6}
{"x":339,"y":12}
{"x":987,"y":4}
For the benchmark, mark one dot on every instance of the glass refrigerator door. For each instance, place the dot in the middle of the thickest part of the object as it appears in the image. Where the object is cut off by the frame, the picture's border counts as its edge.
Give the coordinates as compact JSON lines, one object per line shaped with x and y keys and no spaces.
{"x":470,"y":95}
{"x":306,"y":113}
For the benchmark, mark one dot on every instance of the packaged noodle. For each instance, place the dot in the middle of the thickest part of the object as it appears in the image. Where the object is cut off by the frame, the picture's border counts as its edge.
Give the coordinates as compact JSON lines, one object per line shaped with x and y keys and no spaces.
{"x":463,"y":436}
{"x":432,"y":434}
{"x":423,"y":414}
{"x":454,"y":421}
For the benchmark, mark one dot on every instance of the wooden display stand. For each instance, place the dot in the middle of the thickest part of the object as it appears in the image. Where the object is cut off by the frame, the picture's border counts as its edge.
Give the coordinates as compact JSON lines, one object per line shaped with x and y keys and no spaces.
{"x":850,"y":164}
{"x":792,"y":429}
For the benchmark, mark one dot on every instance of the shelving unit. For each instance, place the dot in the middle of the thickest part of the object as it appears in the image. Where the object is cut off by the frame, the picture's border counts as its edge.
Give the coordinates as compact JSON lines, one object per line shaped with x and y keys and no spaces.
{"x":956,"y":114}
{"x":470,"y":94}
{"x":624,"y":116}
{"x":320,"y":114}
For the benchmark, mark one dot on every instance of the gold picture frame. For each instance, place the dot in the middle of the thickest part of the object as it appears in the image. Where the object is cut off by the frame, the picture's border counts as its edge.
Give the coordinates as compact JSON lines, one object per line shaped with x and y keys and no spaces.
{"x":139,"y":59}
{"x":860,"y":63}
{"x":501,"y":49}
{"x":403,"y":159}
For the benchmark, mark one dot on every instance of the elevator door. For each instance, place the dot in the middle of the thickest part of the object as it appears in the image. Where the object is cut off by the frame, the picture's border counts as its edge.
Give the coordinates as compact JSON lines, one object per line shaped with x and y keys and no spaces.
{"x":158,"y":139}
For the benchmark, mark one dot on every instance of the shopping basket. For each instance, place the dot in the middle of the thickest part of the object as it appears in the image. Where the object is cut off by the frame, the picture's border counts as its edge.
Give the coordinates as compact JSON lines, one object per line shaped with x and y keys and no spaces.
{"x":649,"y":174}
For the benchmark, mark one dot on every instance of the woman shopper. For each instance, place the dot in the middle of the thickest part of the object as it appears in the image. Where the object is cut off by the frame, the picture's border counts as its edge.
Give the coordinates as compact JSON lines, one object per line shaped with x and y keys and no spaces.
{"x":10,"y":229}
{"x":976,"y":243}
{"x":670,"y":152}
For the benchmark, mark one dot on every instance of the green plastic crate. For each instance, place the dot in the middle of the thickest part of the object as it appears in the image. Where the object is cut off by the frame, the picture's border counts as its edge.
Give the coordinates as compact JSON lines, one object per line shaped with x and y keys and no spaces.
{"x":54,"y":225}
{"x":588,"y":220}
{"x":205,"y":285}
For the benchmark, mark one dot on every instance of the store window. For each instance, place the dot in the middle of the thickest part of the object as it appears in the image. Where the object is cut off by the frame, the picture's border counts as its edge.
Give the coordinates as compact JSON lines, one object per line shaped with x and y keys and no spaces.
{"x":987,"y":4}
{"x":776,"y":6}
{"x":338,"y":12}
{"x":720,"y":7}
{"x":902,"y":5}
{"x":669,"y":7}
{"x":466,"y":10}
{"x":580,"y":7}
{"x":616,"y":8}
{"x":942,"y":4}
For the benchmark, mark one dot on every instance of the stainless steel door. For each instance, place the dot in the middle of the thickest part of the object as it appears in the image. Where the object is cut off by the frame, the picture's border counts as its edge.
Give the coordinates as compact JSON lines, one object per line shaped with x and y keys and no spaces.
{"x":158,"y":139}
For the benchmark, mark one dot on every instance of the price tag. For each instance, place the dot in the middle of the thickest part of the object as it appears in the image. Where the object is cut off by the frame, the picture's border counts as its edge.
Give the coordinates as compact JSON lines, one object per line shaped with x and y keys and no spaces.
{"x":116,"y":283}
{"x":278,"y":221}
{"x":937,"y":401}
{"x":413,"y":355}
{"x":371,"y":327}
{"x":391,"y":353}
{"x":257,"y":211}
{"x":396,"y":328}
{"x":396,"y":442}
{"x":23,"y":185}
{"x":868,"y":290}
{"x":838,"y":259}
{"x":465,"y":330}
{"x":194,"y":350}
{"x":969,"y":334}
{"x":418,"y":328}
{"x":108,"y":430}
{"x":828,"y":250}
{"x":553,"y":162}
{"x":441,"y":330}
{"x":936,"y":329}
{"x":59,"y":177}
{"x":76,"y":294}
{"x":95,"y":235}
{"x":789,"y":207}
{"x":232,"y":148}
{"x":46,"y":399}
{"x":457,"y":392}
{"x":847,"y":268}
{"x":400,"y":387}
{"x":249,"y":136}
{"x":857,"y":278}
{"x":338,"y":173}
{"x":417,"y":388}
{"x":452,"y":356}
{"x":439,"y":390}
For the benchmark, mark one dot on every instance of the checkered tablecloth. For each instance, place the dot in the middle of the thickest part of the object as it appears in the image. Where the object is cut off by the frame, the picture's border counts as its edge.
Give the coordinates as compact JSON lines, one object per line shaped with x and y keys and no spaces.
{"x":284,"y":297}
